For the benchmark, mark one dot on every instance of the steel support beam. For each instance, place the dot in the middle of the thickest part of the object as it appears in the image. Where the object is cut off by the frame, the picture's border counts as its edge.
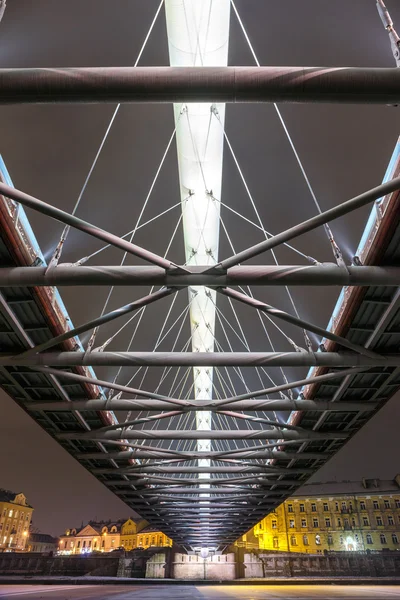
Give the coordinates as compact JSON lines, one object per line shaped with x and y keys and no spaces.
{"x":81,"y":225}
{"x":243,"y":454}
{"x":215,"y":434}
{"x":201,"y":84}
{"x":198,"y":359}
{"x":124,"y":405}
{"x":327,"y":274}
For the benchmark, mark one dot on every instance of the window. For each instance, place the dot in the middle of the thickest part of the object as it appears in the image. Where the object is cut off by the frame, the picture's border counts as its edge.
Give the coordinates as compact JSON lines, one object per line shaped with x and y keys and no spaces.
{"x":274,"y":524}
{"x":336,"y":505}
{"x":346,"y":522}
{"x":376,"y":504}
{"x":387,"y":503}
{"x":350,"y":506}
{"x":382,"y":537}
{"x":339,"y":522}
{"x":330,"y":540}
{"x":341,"y":541}
{"x":160,"y":540}
{"x":390,"y":520}
{"x":315,"y":522}
{"x":397,"y":503}
{"x":313,"y":507}
{"x":10,"y":513}
{"x":353,"y":522}
{"x":318,"y":540}
{"x":365,"y":521}
{"x":147,"y":541}
{"x":275,"y":542}
{"x":305,"y":540}
{"x":362,"y":505}
{"x":153,"y":541}
{"x":327,"y":522}
{"x":326,"y":507}
{"x":302,"y":507}
{"x":304,"y":522}
{"x":103,"y":544}
{"x":379,"y":521}
{"x":344,"y":505}
{"x":290,"y":508}
{"x":84,"y":544}
{"x":291,"y":523}
{"x":293,"y":540}
{"x":79,"y":544}
{"x":395,"y":538}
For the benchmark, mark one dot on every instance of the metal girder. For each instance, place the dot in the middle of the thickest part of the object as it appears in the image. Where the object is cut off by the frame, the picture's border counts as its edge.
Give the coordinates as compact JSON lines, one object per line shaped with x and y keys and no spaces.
{"x":245,"y":453}
{"x":241,"y":434}
{"x":195,"y":469}
{"x":121,"y":404}
{"x":152,"y":479}
{"x":326,"y":274}
{"x":199,"y":359}
{"x":81,"y":225}
{"x":200,"y":84}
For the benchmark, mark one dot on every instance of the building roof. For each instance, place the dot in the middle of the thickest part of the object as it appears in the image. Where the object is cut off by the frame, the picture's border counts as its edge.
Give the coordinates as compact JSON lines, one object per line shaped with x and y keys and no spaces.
{"x":43,"y":538}
{"x":9,"y":496}
{"x":343,"y":488}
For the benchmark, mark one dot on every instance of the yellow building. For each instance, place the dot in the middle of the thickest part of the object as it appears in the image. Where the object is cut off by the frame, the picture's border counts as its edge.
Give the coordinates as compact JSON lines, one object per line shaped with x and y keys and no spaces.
{"x":343,"y":516}
{"x":15,"y":520}
{"x":108,"y":536}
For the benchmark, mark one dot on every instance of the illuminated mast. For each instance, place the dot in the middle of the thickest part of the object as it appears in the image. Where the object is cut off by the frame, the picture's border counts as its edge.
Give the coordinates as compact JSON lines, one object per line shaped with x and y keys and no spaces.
{"x":198,"y":35}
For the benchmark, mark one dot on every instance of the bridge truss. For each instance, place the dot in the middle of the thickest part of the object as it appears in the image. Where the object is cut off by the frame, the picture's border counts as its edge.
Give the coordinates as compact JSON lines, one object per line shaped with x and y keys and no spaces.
{"x":222,"y":434}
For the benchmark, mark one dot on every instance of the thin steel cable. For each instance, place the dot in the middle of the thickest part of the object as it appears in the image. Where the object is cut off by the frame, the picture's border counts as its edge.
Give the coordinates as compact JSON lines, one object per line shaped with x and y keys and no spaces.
{"x":335,"y":248}
{"x":65,"y":232}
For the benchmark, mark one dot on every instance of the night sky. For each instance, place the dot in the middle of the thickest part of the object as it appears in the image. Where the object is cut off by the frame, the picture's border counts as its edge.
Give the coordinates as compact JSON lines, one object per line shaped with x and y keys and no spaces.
{"x":49,"y":149}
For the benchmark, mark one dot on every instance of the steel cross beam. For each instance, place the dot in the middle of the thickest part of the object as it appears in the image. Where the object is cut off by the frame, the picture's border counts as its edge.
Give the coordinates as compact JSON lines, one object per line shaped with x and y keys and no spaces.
{"x":198,"y":359}
{"x":215,"y":434}
{"x":201,"y":84}
{"x":326,"y":274}
{"x":243,"y":454}
{"x":120,"y":404}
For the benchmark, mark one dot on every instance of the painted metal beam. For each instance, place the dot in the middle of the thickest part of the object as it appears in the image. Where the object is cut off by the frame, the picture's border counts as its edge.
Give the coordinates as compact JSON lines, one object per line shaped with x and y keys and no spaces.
{"x":199,"y":359}
{"x":217,"y":434}
{"x":327,"y":274}
{"x":339,"y":85}
{"x":116,"y":405}
{"x":245,"y":453}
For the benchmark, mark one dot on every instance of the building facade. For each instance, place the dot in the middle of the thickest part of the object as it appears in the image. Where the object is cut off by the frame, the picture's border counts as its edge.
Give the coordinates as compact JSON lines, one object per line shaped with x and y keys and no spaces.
{"x":109,"y":536}
{"x":42,"y":543}
{"x":15,"y":520}
{"x":333,"y":516}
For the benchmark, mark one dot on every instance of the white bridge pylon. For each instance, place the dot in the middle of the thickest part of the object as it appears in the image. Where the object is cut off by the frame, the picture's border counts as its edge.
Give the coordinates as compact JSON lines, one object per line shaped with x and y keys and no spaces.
{"x":198,"y":35}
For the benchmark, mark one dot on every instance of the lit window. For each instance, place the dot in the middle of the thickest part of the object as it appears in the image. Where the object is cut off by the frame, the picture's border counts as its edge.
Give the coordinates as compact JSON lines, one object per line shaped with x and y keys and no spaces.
{"x":382,"y":537}
{"x":369,"y":538}
{"x":379,"y":521}
{"x":327,"y":522}
{"x":376,"y":504}
{"x":290,"y":508}
{"x":291,"y":523}
{"x":313,"y":507}
{"x":304,"y":522}
{"x":395,"y":538}
{"x":305,"y":540}
{"x":274,"y":524}
{"x":10,"y":513}
{"x":390,"y":520}
{"x":302,"y":507}
{"x":315,"y":522}
{"x":318,"y":540}
{"x":387,"y":503}
{"x":365,"y":521}
{"x":326,"y":507}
